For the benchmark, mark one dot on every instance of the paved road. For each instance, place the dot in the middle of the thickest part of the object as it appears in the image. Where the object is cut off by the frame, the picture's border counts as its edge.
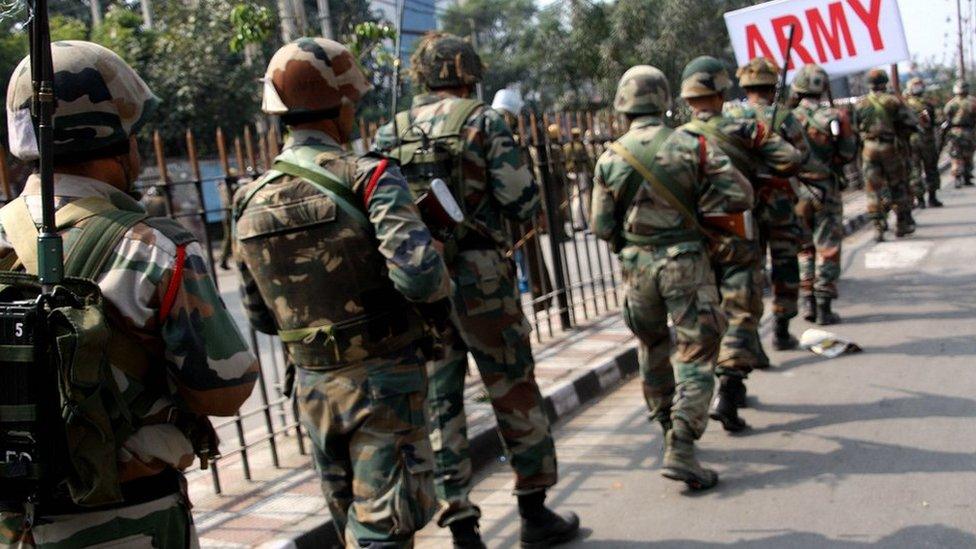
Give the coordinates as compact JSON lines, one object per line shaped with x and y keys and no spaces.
{"x":877,"y":448}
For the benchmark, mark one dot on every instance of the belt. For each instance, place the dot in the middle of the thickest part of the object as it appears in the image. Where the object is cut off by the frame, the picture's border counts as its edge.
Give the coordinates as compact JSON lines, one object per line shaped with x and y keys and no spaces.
{"x":134,"y":492}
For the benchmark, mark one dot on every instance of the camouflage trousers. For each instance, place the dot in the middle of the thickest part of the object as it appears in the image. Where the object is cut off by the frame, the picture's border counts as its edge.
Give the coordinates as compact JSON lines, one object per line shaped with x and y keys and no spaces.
{"x":494,"y":331}
{"x":164,"y":523}
{"x":885,"y":182}
{"x":822,"y":223}
{"x":675,"y":282}
{"x":740,"y":282}
{"x":779,"y":233}
{"x":961,"y":146}
{"x":368,"y":426}
{"x":925,"y":165}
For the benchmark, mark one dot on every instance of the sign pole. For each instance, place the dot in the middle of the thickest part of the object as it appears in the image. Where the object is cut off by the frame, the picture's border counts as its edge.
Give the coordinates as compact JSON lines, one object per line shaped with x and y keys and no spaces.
{"x":895,"y":81}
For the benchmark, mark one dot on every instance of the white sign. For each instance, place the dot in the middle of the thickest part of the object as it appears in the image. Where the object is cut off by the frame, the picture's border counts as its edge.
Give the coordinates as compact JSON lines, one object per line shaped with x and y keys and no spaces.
{"x":842,"y":36}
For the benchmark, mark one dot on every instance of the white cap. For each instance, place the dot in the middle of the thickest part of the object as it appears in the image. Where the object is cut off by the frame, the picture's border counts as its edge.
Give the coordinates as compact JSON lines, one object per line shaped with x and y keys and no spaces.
{"x":509,"y":100}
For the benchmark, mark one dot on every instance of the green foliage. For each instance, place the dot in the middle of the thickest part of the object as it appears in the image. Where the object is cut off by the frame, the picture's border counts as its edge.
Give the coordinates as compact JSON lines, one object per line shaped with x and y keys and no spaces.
{"x":67,"y":28}
{"x":252,"y":24}
{"x":122,"y":32}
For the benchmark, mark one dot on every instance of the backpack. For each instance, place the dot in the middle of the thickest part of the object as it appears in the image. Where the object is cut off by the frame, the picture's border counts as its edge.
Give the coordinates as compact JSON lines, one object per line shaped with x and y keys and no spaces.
{"x":425,"y":157}
{"x":62,"y":415}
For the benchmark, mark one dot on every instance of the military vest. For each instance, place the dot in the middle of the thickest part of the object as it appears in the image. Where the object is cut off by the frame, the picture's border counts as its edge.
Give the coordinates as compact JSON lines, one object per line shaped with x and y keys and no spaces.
{"x":311,"y":249}
{"x":875,"y":116}
{"x":63,"y":417}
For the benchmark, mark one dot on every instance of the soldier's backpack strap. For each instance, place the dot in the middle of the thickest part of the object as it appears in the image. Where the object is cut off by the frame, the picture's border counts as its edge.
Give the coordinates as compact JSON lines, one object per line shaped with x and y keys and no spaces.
{"x":661,"y":184}
{"x":880,"y":110}
{"x":458,"y":117}
{"x":633,"y":184}
{"x":742,"y":159}
{"x":329,"y":185}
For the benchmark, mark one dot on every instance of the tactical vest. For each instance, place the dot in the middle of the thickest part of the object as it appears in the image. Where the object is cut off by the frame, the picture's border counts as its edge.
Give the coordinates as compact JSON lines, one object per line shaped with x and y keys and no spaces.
{"x":744,"y":160}
{"x":878,"y":123}
{"x":63,"y":418}
{"x":312,"y":252}
{"x":424,"y":157}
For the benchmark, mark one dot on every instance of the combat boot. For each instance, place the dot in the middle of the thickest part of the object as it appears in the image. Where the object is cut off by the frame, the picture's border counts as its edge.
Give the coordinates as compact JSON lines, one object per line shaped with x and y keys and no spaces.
{"x":825,"y":316}
{"x":541,"y":527}
{"x":810,"y":308}
{"x":466,"y":534}
{"x":782,"y":339}
{"x":725,"y":408}
{"x":880,"y":226}
{"x":934,"y":200}
{"x":680,"y":463}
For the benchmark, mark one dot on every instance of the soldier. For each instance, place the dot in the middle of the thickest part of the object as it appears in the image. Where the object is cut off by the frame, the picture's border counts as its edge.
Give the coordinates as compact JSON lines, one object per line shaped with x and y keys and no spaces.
{"x":579,"y":170}
{"x":342,"y":229}
{"x":495,"y":184}
{"x":176,"y":354}
{"x":883,"y":119}
{"x":925,"y":152}
{"x":779,"y":229}
{"x":756,"y":152}
{"x":960,"y":113}
{"x":821,"y":210}
{"x":650,"y":187}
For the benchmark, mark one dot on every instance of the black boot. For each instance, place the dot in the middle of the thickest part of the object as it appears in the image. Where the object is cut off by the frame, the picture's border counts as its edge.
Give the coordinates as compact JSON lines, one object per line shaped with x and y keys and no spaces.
{"x":826,"y":317}
{"x":466,"y":534}
{"x":810,"y":308}
{"x":934,"y":200}
{"x":725,"y":408}
{"x":541,"y":527}
{"x":782,"y":339}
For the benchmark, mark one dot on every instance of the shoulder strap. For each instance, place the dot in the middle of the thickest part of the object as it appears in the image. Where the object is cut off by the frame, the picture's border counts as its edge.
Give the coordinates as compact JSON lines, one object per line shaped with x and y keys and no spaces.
{"x":171,"y":229}
{"x":459,"y":116}
{"x":742,"y":159}
{"x":100,"y":235}
{"x":880,"y":108}
{"x":329,"y":185}
{"x":661,"y":185}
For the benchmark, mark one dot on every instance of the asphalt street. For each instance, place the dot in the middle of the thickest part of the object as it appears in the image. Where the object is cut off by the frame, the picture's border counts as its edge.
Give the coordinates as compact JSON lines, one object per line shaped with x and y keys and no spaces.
{"x":875,"y":448}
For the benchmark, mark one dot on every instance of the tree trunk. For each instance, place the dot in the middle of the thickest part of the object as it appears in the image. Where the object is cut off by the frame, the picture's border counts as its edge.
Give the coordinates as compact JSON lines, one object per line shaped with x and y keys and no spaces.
{"x":147,"y":17}
{"x":287,"y":17}
{"x":325,"y":19}
{"x":96,"y":12}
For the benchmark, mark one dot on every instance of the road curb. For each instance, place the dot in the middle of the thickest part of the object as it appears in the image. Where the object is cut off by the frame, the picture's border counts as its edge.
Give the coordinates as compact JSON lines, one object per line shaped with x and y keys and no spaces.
{"x":561,"y":400}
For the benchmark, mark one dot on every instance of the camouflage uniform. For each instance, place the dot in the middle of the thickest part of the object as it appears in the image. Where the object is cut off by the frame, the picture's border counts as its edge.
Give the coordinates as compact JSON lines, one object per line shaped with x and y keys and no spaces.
{"x":491,"y":323}
{"x":883,"y":120}
{"x":191,"y":358}
{"x":365,"y":255}
{"x":925,"y":153}
{"x":665,"y":265}
{"x":960,"y":113}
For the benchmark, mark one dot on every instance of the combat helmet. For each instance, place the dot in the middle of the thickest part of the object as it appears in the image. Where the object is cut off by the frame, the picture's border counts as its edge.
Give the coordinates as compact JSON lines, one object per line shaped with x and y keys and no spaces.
{"x":443,"y":60}
{"x":811,"y":79}
{"x":704,"y":76}
{"x":961,"y":87}
{"x":877,"y":79}
{"x":759,"y":72}
{"x":309,"y":78}
{"x":100,"y":102}
{"x":916,"y":86}
{"x":643,"y":89}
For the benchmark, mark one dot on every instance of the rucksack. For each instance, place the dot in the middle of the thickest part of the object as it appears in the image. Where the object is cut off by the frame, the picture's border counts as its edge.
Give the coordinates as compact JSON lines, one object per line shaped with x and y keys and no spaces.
{"x":62,"y":415}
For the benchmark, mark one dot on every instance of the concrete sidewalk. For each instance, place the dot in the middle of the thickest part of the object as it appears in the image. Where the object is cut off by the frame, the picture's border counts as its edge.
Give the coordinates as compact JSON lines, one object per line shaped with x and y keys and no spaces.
{"x":283,"y":506}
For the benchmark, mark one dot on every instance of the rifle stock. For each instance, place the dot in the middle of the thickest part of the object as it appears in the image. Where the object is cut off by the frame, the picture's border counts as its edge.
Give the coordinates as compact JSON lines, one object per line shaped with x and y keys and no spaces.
{"x":740,"y":224}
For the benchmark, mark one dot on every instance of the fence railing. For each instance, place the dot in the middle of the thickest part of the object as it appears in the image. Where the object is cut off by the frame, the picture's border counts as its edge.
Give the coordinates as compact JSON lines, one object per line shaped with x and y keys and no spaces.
{"x":567,"y":276}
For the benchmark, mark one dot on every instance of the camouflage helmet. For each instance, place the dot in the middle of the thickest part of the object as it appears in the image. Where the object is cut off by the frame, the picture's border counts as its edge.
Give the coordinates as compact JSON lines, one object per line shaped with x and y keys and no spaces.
{"x":100,"y":102}
{"x":311,"y":76}
{"x":877,"y":78}
{"x":643,"y":89}
{"x":811,"y":79}
{"x":916,"y":86}
{"x":761,"y":71}
{"x":961,"y":87}
{"x":443,"y":60}
{"x":704,"y":76}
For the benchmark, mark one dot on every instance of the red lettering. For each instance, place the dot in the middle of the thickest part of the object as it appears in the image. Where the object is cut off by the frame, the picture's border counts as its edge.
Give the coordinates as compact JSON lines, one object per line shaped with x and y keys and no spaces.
{"x":838,"y":28}
{"x":780,"y":26}
{"x":755,"y":38}
{"x":870,"y":18}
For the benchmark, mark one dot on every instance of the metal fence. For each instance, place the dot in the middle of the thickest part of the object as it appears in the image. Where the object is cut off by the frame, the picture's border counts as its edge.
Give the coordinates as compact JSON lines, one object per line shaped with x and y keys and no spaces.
{"x":567,"y":276}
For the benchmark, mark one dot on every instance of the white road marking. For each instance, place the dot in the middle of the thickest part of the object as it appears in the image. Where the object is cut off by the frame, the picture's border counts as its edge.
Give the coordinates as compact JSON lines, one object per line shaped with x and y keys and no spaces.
{"x":903,"y":254}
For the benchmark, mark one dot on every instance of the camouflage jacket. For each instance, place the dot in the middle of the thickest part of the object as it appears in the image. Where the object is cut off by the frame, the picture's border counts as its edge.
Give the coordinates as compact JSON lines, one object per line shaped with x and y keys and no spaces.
{"x":307,"y":263}
{"x":577,"y":158}
{"x":196,"y":354}
{"x":753,"y":149}
{"x":492,"y":163}
{"x":787,"y":126}
{"x":816,"y":119}
{"x":926,"y":112}
{"x":960,"y":111}
{"x":706,"y":173}
{"x":884,"y":117}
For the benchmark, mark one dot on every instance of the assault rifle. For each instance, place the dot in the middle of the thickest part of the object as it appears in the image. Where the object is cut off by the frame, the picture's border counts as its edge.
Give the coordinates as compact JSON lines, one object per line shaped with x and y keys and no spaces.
{"x":781,"y":87}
